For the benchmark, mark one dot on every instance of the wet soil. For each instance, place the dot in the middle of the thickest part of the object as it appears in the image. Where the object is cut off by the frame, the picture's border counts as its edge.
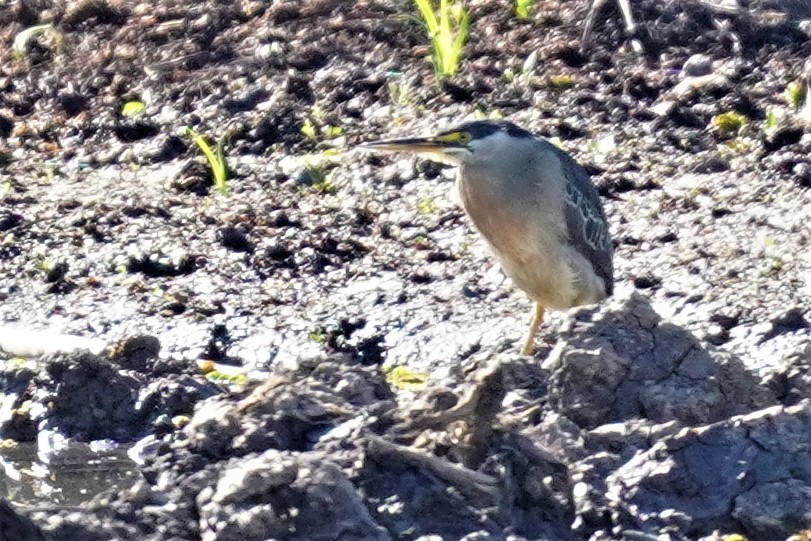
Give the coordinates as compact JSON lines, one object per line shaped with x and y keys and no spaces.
{"x":323,"y":266}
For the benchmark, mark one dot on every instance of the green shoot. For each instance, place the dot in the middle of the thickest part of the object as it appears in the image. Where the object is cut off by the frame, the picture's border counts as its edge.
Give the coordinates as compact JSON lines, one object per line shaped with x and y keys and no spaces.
{"x":729,"y":123}
{"x":24,"y":38}
{"x":332,"y":131}
{"x":133,"y":108}
{"x":739,"y":145}
{"x":427,"y":206}
{"x":322,"y":181}
{"x":215,"y":157}
{"x":771,"y":119}
{"x":401,"y":377}
{"x":775,"y":118}
{"x":481,"y":114}
{"x":523,"y":8}
{"x":318,"y":336}
{"x":448,"y":33}
{"x":795,"y":94}
{"x":400,"y":93}
{"x":561,"y":82}
{"x":308,"y":129}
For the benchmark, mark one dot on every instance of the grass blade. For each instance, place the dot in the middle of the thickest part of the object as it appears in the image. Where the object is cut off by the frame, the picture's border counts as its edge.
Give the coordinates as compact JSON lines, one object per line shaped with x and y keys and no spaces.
{"x":215,"y":158}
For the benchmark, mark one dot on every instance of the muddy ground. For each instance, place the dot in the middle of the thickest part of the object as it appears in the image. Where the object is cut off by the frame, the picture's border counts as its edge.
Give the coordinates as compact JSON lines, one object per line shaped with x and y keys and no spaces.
{"x":680,"y":409}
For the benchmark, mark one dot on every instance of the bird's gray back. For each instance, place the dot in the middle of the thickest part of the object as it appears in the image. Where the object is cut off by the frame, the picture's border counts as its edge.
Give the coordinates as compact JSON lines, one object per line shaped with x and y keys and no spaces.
{"x":585,"y":218}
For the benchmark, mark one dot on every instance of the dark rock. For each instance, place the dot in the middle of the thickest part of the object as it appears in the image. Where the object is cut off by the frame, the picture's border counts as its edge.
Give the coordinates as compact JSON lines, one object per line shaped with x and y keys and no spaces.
{"x":646,"y":282}
{"x":73,"y":104}
{"x":457,"y":92}
{"x":747,"y":474}
{"x":131,"y":131}
{"x":234,"y":239}
{"x":783,"y":136}
{"x":15,"y":527}
{"x":711,"y":164}
{"x":622,"y":362}
{"x":697,"y":65}
{"x":6,"y":126}
{"x":16,"y":423}
{"x":9,"y":220}
{"x":134,"y":353}
{"x":159,"y":264}
{"x":88,"y":399}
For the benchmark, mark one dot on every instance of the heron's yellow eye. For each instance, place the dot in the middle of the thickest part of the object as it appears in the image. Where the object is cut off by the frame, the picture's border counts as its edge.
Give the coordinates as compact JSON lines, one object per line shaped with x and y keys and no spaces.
{"x":464,"y":137}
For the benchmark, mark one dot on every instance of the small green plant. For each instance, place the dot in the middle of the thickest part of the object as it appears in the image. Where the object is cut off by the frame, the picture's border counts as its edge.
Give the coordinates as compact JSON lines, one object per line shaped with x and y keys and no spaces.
{"x":133,"y":108}
{"x":324,"y":184}
{"x":730,"y":122}
{"x":421,"y":242}
{"x":231,"y":379}
{"x":775,"y":119}
{"x":427,"y":206}
{"x":400,"y":93}
{"x":448,"y":29}
{"x":795,"y":94}
{"x":24,"y":38}
{"x":561,"y":82}
{"x":332,"y":131}
{"x":523,"y":8}
{"x":401,"y":377}
{"x":311,"y":129}
{"x":45,"y":264}
{"x":739,"y":145}
{"x":308,"y":129}
{"x":772,"y":120}
{"x":215,"y":157}
{"x":320,"y":179}
{"x":482,"y":114}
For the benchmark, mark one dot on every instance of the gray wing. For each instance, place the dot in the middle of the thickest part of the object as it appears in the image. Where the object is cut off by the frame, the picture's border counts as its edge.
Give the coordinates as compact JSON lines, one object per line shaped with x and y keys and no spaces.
{"x":586,"y":220}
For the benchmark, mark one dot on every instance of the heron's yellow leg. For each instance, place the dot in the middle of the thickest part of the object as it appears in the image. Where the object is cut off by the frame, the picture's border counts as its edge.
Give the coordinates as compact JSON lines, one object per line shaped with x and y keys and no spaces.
{"x":537,"y":319}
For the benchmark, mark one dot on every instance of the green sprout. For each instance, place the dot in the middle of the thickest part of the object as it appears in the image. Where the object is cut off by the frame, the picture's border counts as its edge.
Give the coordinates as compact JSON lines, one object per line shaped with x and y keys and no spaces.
{"x":772,"y":120}
{"x":561,"y":82}
{"x":427,"y":206}
{"x":323,"y":181}
{"x":24,"y":38}
{"x":448,"y":33}
{"x":401,"y":377}
{"x":308,"y":129}
{"x":795,"y":94}
{"x":332,"y":131}
{"x":400,"y":93}
{"x":215,"y":157}
{"x":481,"y":114}
{"x":523,"y":8}
{"x":739,"y":145}
{"x":730,"y":122}
{"x":133,"y":108}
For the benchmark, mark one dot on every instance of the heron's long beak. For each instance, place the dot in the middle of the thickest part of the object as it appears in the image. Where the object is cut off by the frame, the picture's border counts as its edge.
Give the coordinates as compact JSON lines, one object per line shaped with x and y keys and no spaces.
{"x":431,"y":145}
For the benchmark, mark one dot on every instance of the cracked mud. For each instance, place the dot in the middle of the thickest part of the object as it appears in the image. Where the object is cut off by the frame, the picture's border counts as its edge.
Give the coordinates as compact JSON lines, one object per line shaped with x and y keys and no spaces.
{"x":680,"y":409}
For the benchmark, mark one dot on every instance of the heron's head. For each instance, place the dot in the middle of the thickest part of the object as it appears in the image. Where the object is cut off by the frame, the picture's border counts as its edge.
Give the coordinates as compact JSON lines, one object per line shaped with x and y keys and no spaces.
{"x":458,"y":145}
